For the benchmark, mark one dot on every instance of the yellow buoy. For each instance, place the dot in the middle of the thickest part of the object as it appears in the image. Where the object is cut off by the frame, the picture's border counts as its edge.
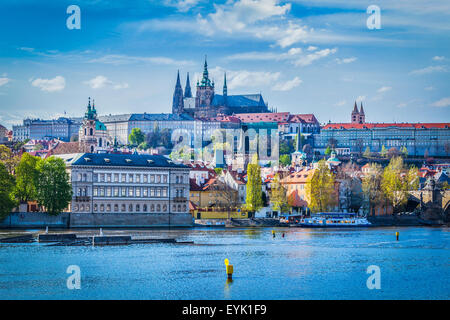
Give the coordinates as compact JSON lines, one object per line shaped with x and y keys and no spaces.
{"x":396,"y":235}
{"x":229,"y":269}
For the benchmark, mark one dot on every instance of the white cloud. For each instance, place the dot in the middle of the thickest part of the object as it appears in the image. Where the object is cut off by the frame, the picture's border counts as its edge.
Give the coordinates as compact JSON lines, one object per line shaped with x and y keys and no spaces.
{"x":181,"y":5}
{"x":341,"y":103}
{"x":384,"y":89}
{"x":360,"y":99}
{"x":98,"y":82}
{"x":346,"y":60}
{"x":4,"y":80}
{"x":310,"y":58}
{"x":438,"y":58}
{"x":122,"y":85}
{"x":402,"y":105}
{"x":311,"y":48}
{"x":119,"y":59}
{"x":430,"y":88}
{"x":58,"y":83}
{"x":288,"y":85}
{"x":242,"y":79}
{"x":444,"y":102}
{"x":430,"y":69}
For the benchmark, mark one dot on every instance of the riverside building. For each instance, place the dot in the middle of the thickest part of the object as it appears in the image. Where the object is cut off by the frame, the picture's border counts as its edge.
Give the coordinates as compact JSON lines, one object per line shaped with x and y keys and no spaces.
{"x":122,"y":183}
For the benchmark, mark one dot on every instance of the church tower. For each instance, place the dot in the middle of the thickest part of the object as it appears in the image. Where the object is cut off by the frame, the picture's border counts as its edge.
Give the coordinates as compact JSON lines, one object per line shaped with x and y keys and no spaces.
{"x":177,"y":103}
{"x":187,"y":90}
{"x":362,"y":116}
{"x":204,"y":96}
{"x":86,"y":137}
{"x":355,"y":114}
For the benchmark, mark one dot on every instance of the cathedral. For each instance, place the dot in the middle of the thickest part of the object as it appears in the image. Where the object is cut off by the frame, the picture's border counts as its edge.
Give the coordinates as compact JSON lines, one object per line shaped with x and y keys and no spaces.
{"x":207,"y":103}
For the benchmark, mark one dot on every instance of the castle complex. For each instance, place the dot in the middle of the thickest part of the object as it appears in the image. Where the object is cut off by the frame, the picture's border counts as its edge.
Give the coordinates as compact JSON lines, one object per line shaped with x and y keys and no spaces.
{"x":207,"y":103}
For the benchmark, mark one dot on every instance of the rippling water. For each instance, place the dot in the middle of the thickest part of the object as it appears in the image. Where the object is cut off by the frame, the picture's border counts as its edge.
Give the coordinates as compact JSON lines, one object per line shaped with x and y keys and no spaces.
{"x":305,"y":264}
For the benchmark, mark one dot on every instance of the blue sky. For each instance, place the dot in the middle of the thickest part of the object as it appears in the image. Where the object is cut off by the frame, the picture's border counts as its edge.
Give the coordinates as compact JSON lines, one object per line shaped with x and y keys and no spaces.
{"x":303,"y":56}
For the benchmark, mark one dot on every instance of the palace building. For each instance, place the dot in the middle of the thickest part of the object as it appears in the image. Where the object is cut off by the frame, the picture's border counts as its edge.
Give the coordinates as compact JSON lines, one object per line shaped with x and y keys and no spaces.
{"x":207,"y":103}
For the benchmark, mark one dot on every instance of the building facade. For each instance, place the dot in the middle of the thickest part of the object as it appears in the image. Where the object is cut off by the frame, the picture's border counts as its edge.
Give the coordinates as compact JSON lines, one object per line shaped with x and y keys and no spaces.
{"x":121,"y":183}
{"x":37,"y":129}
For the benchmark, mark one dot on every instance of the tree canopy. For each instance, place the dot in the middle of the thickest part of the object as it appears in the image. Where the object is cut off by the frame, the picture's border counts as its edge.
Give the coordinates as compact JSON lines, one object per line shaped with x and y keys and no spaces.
{"x":7,"y":202}
{"x":26,"y":178}
{"x":278,"y":197}
{"x":320,"y":188}
{"x":254,"y":200}
{"x":136,"y":137}
{"x":54,"y":191}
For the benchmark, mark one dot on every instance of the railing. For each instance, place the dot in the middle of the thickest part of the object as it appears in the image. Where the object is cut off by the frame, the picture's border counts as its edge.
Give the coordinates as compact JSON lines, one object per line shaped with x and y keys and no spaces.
{"x":179,"y":199}
{"x":82,"y":199}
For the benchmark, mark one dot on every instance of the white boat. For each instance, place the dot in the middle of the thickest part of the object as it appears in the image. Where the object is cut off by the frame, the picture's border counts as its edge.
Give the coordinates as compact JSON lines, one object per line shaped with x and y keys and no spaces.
{"x":334,"y":220}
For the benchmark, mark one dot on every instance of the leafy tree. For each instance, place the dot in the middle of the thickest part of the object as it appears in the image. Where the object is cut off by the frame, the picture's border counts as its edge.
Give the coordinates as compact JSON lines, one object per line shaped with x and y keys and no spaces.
{"x":397,"y":181}
{"x":285,"y":159}
{"x":136,"y":137}
{"x":26,"y":178}
{"x":371,"y":185}
{"x":328,"y":151}
{"x":143,"y":146}
{"x":8,"y":159}
{"x":383,"y":152}
{"x":284,"y":147}
{"x":218,"y":170}
{"x":254,"y":186}
{"x":404,"y":151}
{"x":7,"y":202}
{"x":367,"y":152}
{"x":393,"y":152}
{"x":320,"y":188}
{"x":278,"y":197}
{"x":350,"y":185}
{"x":54,"y":190}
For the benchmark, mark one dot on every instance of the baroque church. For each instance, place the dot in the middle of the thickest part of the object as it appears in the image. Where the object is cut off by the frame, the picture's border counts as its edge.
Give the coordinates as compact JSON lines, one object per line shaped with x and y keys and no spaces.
{"x":93,"y":136}
{"x":207,"y":103}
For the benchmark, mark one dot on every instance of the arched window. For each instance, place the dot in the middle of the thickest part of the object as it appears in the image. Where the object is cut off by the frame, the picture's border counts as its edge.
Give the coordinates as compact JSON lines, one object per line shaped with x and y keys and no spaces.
{"x":138,"y":208}
{"x":91,"y":131}
{"x":144,"y":208}
{"x":92,"y":148}
{"x":152,"y":208}
{"x":130,"y":208}
{"x":85,"y":132}
{"x":124,"y":207}
{"x":116,"y":208}
{"x":100,"y":142}
{"x":158,"y":207}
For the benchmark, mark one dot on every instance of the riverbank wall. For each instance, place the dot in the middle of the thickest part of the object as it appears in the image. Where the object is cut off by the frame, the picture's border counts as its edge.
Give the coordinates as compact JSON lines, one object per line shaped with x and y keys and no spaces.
{"x":87,"y":220}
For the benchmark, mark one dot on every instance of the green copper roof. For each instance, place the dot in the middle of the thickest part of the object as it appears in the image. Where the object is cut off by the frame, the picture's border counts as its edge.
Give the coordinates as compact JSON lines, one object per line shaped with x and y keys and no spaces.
{"x":100,"y":125}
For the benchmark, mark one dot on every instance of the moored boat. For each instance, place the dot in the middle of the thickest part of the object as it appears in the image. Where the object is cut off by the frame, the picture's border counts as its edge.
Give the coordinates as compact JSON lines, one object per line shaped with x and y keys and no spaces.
{"x":334,"y":220}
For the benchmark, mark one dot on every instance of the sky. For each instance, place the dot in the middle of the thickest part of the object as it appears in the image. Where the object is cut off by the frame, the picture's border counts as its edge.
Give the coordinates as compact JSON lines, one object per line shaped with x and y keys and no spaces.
{"x":303,"y":56}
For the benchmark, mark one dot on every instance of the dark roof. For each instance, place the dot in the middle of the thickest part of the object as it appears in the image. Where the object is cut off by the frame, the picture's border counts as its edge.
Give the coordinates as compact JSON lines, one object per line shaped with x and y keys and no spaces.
{"x":127,"y":160}
{"x":160,"y":117}
{"x":248,"y":100}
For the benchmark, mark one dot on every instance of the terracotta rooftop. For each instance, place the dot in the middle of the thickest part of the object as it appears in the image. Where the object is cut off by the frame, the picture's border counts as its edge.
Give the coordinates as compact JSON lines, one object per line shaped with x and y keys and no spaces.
{"x":386,"y":125}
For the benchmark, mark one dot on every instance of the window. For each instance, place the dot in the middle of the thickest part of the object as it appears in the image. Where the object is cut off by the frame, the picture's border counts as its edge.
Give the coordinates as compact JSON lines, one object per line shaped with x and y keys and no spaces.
{"x":102,"y":192}
{"x":108,"y":192}
{"x":138,"y":178}
{"x":138,"y":192}
{"x":116,"y":177}
{"x":108,"y":207}
{"x":108,"y":177}
{"x":164,"y":192}
{"x":158,"y":207}
{"x":145,"y":178}
{"x":130,"y":192}
{"x":102,"y":207}
{"x":165,"y":207}
{"x":158,"y":192}
{"x":95,"y":177}
{"x":152,"y":178}
{"x":124,"y":207}
{"x":123,"y":177}
{"x":116,"y":208}
{"x":164,"y":179}
{"x":130,"y":208}
{"x":145,"y":192}
{"x":95,"y":207}
{"x":152,"y":192}
{"x":116,"y":192}
{"x":158,"y":178}
{"x":138,"y":208}
{"x":144,"y":208}
{"x":152,"y":208}
{"x":130,"y":178}
{"x":102,"y":177}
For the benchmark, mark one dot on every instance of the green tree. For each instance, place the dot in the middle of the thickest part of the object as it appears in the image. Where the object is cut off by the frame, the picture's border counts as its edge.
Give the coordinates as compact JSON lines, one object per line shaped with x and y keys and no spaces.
{"x":26,"y":178}
{"x":371,"y":185}
{"x":320,"y":188}
{"x":328,"y":151}
{"x":285,"y":160}
{"x":7,"y":202}
{"x":136,"y":137}
{"x":284,"y":147}
{"x":218,"y":170}
{"x":398,"y":181}
{"x":54,"y":190}
{"x":8,"y":159}
{"x":278,"y":197}
{"x":404,"y":151}
{"x":367,"y":152}
{"x":383,"y":152}
{"x":143,"y":146}
{"x":38,"y":147}
{"x":254,"y":200}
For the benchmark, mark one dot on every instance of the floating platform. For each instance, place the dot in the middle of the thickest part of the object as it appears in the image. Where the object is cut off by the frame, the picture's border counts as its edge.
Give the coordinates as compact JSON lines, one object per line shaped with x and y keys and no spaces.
{"x":28,"y":238}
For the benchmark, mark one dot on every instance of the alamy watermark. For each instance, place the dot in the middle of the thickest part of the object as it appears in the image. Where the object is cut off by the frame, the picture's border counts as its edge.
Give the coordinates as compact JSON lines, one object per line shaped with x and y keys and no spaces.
{"x":374,"y":280}
{"x":74,"y":20}
{"x":374,"y":20}
{"x":74,"y":280}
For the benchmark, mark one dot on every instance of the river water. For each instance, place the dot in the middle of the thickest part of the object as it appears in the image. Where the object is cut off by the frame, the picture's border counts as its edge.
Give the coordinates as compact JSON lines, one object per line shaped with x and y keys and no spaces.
{"x":304,"y":264}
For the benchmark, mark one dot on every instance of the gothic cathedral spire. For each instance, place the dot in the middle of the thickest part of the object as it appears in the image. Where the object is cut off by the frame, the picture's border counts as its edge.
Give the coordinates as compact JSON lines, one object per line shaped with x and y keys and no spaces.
{"x":178,"y":104}
{"x":225,"y":88}
{"x":187,"y":90}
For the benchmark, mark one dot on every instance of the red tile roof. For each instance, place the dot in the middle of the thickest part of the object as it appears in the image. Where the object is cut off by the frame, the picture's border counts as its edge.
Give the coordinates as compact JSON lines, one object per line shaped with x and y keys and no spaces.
{"x":265,"y":117}
{"x":386,"y":125}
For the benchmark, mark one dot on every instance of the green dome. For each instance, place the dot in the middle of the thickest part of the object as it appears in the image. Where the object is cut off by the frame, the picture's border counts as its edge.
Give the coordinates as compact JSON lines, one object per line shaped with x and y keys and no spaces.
{"x":100,"y":126}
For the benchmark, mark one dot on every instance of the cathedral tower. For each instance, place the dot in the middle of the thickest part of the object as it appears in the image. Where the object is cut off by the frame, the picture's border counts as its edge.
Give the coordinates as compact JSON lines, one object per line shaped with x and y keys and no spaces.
{"x":204,"y":96}
{"x":177,"y":103}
